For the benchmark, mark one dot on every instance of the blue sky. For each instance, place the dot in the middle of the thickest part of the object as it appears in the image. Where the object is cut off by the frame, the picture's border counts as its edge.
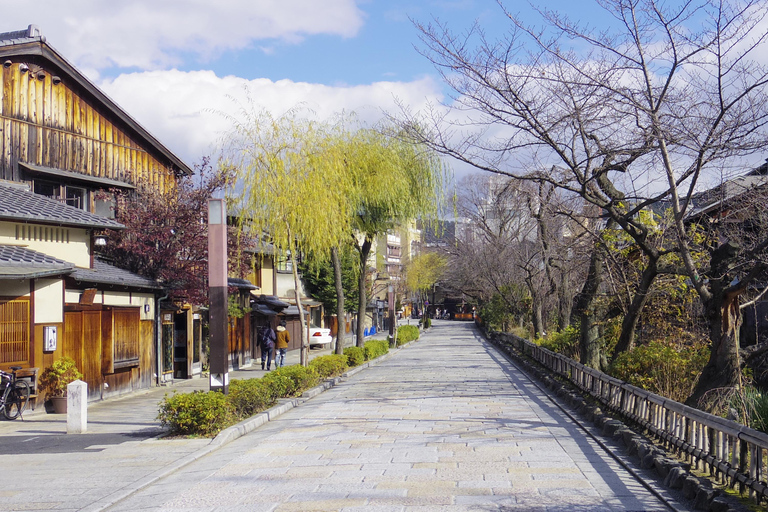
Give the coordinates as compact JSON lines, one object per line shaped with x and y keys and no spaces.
{"x":177,"y":65}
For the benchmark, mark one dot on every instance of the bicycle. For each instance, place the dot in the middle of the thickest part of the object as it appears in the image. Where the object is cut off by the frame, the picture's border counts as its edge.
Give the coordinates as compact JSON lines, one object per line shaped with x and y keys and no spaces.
{"x":14,"y":394}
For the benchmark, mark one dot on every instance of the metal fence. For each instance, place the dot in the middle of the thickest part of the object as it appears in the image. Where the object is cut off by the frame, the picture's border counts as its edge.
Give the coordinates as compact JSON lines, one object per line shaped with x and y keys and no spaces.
{"x":730,"y":452}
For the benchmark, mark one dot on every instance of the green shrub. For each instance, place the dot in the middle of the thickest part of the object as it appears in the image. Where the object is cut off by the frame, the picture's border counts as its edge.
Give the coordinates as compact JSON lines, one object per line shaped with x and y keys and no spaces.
{"x":565,"y":342}
{"x":520,"y":332}
{"x":250,"y":396}
{"x":292,"y":380}
{"x":280,"y":384}
{"x":427,"y":322}
{"x":329,"y":366}
{"x":355,"y":356}
{"x":375,"y":348}
{"x":407,"y":333}
{"x":197,"y":413}
{"x":663,"y":368}
{"x":55,"y":379}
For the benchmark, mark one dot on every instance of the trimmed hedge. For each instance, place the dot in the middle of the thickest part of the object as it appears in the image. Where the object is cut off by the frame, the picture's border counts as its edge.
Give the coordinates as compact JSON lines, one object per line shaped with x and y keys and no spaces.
{"x":375,"y":348}
{"x":329,"y":366}
{"x":292,"y":380}
{"x":355,"y":356}
{"x":207,"y":413}
{"x":407,"y":333}
{"x":196,"y":413}
{"x":249,"y":396}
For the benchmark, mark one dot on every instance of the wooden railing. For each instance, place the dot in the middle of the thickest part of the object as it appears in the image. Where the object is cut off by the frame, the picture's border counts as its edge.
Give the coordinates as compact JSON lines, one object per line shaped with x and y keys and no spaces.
{"x":730,"y":452}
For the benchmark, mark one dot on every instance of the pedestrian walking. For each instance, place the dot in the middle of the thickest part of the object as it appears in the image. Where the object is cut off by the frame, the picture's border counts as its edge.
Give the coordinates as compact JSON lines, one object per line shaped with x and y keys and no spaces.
{"x":267,"y":338}
{"x":281,"y":345}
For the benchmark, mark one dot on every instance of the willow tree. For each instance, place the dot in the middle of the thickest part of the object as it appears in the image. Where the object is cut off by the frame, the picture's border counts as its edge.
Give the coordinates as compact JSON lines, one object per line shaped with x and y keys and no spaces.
{"x":291,"y":186}
{"x":424,"y":271}
{"x":394,"y":181}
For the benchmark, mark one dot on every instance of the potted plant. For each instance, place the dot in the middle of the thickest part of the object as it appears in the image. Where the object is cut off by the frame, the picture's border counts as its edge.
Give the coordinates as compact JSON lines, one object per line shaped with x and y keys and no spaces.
{"x":55,"y":379}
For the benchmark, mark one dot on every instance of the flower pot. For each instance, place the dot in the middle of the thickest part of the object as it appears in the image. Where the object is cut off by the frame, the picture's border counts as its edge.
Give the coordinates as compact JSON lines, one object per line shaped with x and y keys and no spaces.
{"x":58,"y":404}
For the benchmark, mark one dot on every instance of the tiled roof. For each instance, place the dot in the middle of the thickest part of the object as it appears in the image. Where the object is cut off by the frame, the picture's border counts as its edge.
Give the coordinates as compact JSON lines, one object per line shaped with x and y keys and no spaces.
{"x":17,"y":204}
{"x":28,"y":35}
{"x":104,"y":273}
{"x":242,"y":284}
{"x":22,"y":263}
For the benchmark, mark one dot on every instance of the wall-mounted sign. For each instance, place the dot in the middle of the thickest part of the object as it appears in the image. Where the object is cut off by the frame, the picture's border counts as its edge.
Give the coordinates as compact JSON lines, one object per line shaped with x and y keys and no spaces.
{"x":49,"y":338}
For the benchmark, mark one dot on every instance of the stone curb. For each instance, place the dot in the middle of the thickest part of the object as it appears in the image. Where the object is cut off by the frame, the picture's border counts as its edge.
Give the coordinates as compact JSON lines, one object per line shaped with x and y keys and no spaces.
{"x":232,"y":433}
{"x":674,"y":473}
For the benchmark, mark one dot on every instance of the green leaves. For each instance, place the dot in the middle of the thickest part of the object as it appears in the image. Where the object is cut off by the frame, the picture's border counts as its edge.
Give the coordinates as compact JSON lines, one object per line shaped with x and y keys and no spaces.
{"x":424,"y":271}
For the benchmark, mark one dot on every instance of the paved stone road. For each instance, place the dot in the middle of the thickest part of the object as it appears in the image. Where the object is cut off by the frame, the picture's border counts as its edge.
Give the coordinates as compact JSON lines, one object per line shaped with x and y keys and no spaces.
{"x":446,"y":424}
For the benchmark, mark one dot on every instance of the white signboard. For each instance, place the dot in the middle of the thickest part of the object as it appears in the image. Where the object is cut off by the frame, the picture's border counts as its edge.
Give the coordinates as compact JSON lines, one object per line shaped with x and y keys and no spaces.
{"x":49,"y":338}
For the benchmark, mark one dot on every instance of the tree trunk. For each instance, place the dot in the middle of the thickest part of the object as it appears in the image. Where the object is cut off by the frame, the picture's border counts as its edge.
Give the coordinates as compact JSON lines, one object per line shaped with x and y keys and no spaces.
{"x":585,"y":310}
{"x":632,"y":316}
{"x":304,"y":354}
{"x":723,"y":368}
{"x":537,"y":316}
{"x":341,"y":324}
{"x":364,"y":251}
{"x":564,"y":303}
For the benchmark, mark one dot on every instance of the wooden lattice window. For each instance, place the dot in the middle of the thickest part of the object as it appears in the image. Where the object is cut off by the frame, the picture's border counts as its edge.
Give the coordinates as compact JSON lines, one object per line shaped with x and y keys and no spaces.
{"x":14,"y":331}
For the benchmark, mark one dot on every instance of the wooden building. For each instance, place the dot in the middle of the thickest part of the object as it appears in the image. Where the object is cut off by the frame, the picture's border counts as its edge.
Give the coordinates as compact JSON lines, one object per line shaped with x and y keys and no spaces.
{"x":63,"y":138}
{"x":57,"y":299}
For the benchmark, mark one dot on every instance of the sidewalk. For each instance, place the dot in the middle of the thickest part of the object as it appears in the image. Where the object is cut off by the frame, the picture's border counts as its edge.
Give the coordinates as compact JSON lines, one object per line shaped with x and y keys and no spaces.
{"x":135,"y":413}
{"x":47,"y":469}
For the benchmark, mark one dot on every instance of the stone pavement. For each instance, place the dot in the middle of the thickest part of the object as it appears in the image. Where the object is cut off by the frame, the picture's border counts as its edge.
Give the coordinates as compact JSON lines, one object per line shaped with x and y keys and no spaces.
{"x":445,"y":424}
{"x":43,"y":468}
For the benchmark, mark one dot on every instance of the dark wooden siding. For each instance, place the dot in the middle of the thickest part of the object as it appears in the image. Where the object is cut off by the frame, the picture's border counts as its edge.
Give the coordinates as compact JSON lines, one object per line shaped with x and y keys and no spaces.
{"x":51,"y":125}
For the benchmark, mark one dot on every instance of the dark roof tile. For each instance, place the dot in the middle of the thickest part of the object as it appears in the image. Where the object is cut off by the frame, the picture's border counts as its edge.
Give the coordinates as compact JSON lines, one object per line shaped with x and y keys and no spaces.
{"x":104,"y":273}
{"x":17,"y":204}
{"x":22,"y":263}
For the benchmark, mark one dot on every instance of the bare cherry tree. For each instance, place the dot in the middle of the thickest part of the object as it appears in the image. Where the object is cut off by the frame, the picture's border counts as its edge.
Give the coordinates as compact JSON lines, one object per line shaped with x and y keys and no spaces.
{"x":660,"y":100}
{"x":516,"y":241}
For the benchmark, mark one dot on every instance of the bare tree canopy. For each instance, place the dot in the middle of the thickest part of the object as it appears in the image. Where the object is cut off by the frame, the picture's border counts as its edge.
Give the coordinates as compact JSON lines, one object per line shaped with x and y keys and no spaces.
{"x":662,"y":100}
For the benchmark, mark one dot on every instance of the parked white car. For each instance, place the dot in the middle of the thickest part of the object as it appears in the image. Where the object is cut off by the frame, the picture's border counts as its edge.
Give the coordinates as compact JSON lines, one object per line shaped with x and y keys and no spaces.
{"x":319,"y":336}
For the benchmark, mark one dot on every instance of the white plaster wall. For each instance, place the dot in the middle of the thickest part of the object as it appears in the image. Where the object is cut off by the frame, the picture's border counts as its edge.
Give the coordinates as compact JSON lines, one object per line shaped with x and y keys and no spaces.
{"x":75,"y":251}
{"x":73,"y":297}
{"x":285,"y":282}
{"x":117,"y":299}
{"x":49,"y":301}
{"x":266,"y":281}
{"x":14,"y":288}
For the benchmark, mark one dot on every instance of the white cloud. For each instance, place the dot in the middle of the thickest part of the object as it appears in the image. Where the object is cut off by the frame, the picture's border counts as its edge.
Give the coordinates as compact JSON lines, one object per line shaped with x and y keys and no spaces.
{"x":186,"y":110}
{"x":157,"y":34}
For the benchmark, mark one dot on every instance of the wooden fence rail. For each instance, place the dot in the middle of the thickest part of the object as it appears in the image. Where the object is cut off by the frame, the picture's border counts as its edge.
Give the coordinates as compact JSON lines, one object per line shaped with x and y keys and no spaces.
{"x":729,"y":451}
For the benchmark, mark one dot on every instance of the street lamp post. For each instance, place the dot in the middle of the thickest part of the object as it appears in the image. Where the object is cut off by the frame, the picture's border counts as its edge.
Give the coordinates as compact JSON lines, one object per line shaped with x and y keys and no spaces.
{"x":392,"y":320}
{"x":217,"y":294}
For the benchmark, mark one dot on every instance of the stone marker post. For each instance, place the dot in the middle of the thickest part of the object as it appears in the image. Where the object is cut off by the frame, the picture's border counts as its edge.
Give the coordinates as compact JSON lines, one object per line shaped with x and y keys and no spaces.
{"x":77,"y":407}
